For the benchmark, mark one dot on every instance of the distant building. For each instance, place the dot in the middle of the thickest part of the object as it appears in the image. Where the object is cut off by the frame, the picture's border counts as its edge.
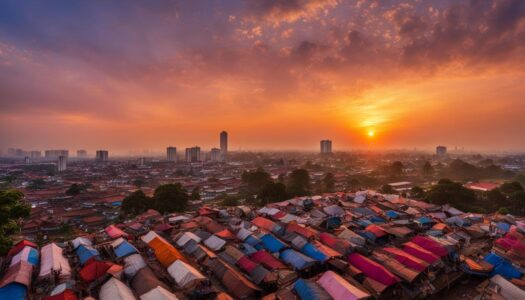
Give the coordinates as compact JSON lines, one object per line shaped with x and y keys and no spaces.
{"x":224,"y":145}
{"x":81,"y":153}
{"x":142,"y":161}
{"x":215,"y":154}
{"x":481,"y":186}
{"x":27,"y":160}
{"x":171,"y":154}
{"x":62,"y":163}
{"x":102,"y":155}
{"x":35,"y":154}
{"x":54,"y":154}
{"x":441,"y":150}
{"x":402,"y":186}
{"x":193,"y":154}
{"x":326,"y":147}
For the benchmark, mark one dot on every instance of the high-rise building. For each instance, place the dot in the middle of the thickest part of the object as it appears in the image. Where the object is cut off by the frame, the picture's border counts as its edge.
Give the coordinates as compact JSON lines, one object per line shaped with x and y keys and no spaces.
{"x":62,"y":163}
{"x":35,"y":154}
{"x":142,"y":161}
{"x":215,"y":154}
{"x":224,"y":145}
{"x":441,"y":150}
{"x":171,"y":153}
{"x":102,"y":155}
{"x":193,"y":154}
{"x":326,"y":147}
{"x":54,"y":154}
{"x":81,"y":153}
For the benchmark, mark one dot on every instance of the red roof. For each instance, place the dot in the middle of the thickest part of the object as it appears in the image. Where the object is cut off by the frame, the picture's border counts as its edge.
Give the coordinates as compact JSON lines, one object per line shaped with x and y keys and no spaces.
{"x":247,"y":264}
{"x":19,"y":246}
{"x":225,"y":234}
{"x":304,"y":231}
{"x":267,"y":260}
{"x":66,"y":295}
{"x":94,"y":269}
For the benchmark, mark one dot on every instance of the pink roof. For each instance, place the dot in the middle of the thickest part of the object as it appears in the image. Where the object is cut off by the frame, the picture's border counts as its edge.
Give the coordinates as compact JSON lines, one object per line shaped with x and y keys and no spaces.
{"x":115,"y":232}
{"x":376,"y":230}
{"x":407,"y":259}
{"x":21,"y":245}
{"x":340,"y":289}
{"x":420,"y":253}
{"x":372,"y":269}
{"x":430,"y":245}
{"x":482,"y":186}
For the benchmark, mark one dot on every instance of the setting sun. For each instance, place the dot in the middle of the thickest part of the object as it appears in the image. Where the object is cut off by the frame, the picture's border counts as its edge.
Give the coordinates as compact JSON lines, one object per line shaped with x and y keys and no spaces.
{"x":371,"y":133}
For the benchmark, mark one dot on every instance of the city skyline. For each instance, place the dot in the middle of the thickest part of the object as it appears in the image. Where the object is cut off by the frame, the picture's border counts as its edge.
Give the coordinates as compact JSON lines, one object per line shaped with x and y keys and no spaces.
{"x":280,"y":75}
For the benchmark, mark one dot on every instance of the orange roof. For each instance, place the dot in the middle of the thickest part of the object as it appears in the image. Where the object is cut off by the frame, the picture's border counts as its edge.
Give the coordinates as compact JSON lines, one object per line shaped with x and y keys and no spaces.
{"x":165,"y":252}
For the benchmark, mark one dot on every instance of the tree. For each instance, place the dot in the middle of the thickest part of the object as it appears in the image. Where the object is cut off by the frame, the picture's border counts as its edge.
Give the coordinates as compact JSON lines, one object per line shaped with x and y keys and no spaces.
{"x":37,"y":184}
{"x":299,"y":183}
{"x":417,"y":192}
{"x":75,"y":189}
{"x":138,"y":182}
{"x":229,"y":200}
{"x":396,"y":169}
{"x":136,"y":203}
{"x":12,"y":209}
{"x":428,"y":170}
{"x":195,"y":194}
{"x":387,"y":189}
{"x":517,"y":203}
{"x":255,"y":180}
{"x":454,"y":193}
{"x":170,"y":197}
{"x":272,"y":192}
{"x":494,"y":199}
{"x":329,"y":182}
{"x":510,"y":188}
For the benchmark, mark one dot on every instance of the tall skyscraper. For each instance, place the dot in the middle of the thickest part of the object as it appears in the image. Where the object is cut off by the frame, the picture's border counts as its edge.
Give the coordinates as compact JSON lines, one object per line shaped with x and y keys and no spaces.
{"x":224,"y":145}
{"x":193,"y":154}
{"x":215,"y":154}
{"x":326,"y":147}
{"x":81,"y":153}
{"x":171,"y":153}
{"x":36,"y":154}
{"x":441,"y":150}
{"x":54,"y":154}
{"x":62,"y":163}
{"x":102,"y":155}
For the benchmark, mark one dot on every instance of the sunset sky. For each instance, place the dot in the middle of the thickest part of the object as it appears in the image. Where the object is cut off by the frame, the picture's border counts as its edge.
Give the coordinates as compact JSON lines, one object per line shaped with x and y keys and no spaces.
{"x":276,"y":74}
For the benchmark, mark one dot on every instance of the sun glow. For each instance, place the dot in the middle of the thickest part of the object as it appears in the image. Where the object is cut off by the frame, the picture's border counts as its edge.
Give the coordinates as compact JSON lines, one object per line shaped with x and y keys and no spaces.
{"x":371,"y":133}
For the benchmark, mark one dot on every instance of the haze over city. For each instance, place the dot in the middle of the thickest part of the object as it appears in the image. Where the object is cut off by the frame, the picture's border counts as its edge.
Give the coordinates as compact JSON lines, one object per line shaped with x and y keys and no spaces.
{"x":128,"y":76}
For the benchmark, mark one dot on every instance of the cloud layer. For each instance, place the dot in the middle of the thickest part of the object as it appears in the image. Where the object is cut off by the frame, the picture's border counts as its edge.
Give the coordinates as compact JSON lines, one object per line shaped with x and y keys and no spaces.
{"x":276,"y":74}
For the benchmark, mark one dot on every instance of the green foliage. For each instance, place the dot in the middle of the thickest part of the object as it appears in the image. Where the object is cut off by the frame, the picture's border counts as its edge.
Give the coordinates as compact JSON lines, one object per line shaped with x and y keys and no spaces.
{"x":461,"y":170}
{"x":255,"y":180}
{"x":12,"y":208}
{"x":396,"y":169}
{"x":494,"y":199}
{"x":428,"y":170}
{"x":517,"y":203}
{"x":520,"y":178}
{"x":510,"y":188}
{"x":417,"y":192}
{"x":138,"y":182}
{"x":299,"y":183}
{"x":454,"y":193}
{"x":36,"y":184}
{"x":503,"y":211}
{"x":272,"y":192}
{"x":136,"y":203}
{"x":329,"y":182}
{"x":170,"y":197}
{"x":229,"y":200}
{"x":195,"y":194}
{"x":362,"y":181}
{"x":387,"y":189}
{"x":75,"y":189}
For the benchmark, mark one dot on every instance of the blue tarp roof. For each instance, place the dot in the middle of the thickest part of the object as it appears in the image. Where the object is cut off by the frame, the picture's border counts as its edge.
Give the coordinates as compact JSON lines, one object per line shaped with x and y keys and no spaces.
{"x":33,"y":257}
{"x":376,"y":219}
{"x":85,"y":253}
{"x":458,"y":221}
{"x":308,"y":290}
{"x":313,"y":252}
{"x":252,"y":240}
{"x":271,"y":243}
{"x":125,"y":249}
{"x":367,"y":235}
{"x":13,"y":291}
{"x":365,"y":211}
{"x":505,"y":227}
{"x":425,"y":220}
{"x":392,"y":214}
{"x":363,"y":223}
{"x":247,"y":249}
{"x":298,"y":260}
{"x":502,"y":267}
